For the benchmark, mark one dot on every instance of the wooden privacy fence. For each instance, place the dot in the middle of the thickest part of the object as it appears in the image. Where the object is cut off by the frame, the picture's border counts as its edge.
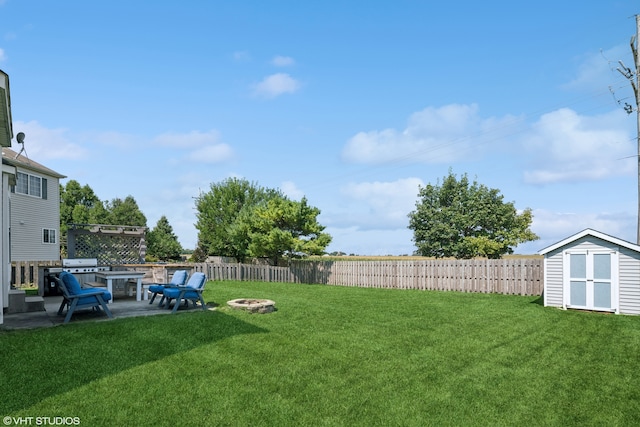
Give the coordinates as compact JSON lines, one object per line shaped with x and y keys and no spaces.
{"x":247,"y":272}
{"x":520,"y":276}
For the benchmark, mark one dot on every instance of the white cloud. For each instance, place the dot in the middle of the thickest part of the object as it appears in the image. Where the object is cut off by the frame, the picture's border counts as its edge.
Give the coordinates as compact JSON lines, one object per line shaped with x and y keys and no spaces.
{"x":275,"y":85}
{"x":386,"y":196}
{"x":187,"y":140}
{"x":290,"y":190}
{"x":561,"y":146}
{"x":442,"y":135}
{"x":3,"y":56}
{"x":122,"y":141}
{"x":376,"y":205}
{"x":42,"y":143}
{"x":241,"y":56}
{"x":211,"y":154}
{"x":206,"y":146}
{"x":564,"y":146}
{"x":283,"y":61}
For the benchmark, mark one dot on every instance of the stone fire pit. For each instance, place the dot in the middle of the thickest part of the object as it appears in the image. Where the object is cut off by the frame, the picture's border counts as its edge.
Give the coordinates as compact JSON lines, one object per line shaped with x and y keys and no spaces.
{"x":253,"y":305}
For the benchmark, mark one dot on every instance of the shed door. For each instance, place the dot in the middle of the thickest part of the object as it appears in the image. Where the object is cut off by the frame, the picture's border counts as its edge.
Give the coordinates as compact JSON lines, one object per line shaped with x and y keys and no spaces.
{"x":591,"y":282}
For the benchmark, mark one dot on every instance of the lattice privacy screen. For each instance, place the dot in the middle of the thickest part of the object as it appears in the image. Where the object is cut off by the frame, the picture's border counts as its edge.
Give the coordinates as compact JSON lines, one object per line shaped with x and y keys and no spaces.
{"x":109,"y":244}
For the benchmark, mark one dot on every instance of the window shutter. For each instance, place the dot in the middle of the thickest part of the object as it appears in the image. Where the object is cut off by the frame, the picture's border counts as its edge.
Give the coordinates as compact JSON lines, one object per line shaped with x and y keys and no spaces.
{"x":44,"y":188}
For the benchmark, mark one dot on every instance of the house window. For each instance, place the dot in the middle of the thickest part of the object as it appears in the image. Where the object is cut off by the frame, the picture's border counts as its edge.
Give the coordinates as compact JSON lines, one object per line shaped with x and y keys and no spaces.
{"x":49,"y":235}
{"x":22,"y":183}
{"x":30,"y":184}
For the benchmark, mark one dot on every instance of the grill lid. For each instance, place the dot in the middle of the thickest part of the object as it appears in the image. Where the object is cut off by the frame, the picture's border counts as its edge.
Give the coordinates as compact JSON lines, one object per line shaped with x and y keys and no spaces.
{"x":79,"y":262}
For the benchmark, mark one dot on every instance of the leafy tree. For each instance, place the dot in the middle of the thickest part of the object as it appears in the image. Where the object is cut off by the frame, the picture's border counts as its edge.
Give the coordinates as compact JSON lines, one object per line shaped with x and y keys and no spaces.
{"x":75,"y":204}
{"x":239,"y":233}
{"x":80,"y":205}
{"x":463,"y":220}
{"x":198,"y":254}
{"x":285,"y":228}
{"x":99,"y":214}
{"x":240,"y":219}
{"x":125,"y":212}
{"x":162,"y":243}
{"x":217,"y":212}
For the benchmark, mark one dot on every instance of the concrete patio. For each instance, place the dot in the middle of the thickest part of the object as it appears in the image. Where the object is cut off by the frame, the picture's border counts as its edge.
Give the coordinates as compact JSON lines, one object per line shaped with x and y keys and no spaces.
{"x":121,"y":307}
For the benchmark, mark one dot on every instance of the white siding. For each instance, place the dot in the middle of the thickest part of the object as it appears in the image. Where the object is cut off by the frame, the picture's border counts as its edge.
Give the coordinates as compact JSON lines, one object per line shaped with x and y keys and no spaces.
{"x":629,"y":281}
{"x":553,"y":279}
{"x":590,"y":243}
{"x":29,"y":215}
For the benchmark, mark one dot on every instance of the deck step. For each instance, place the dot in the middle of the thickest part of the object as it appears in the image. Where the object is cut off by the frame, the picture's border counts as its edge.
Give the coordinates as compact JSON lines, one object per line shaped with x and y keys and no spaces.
{"x":34,"y":303}
{"x":19,"y":302}
{"x":16,"y":301}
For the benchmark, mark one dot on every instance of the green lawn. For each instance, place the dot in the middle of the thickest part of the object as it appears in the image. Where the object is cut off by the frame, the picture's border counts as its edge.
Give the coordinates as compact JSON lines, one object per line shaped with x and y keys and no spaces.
{"x":333,"y":356}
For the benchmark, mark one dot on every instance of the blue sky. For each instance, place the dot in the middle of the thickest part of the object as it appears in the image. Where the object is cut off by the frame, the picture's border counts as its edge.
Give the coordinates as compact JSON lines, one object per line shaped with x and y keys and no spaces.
{"x":351,"y":104}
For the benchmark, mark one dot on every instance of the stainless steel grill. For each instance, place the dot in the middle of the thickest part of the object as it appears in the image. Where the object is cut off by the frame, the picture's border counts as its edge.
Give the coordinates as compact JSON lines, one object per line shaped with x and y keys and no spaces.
{"x":79,"y":265}
{"x":82,"y":265}
{"x":83,"y":268}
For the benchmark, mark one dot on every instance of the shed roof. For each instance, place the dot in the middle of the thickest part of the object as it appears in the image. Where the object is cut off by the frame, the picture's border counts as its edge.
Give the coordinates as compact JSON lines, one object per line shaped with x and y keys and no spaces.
{"x":594,"y":233}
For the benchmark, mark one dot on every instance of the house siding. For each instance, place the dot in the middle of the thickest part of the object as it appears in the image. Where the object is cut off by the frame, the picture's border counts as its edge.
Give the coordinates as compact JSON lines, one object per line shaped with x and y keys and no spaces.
{"x":29,"y":215}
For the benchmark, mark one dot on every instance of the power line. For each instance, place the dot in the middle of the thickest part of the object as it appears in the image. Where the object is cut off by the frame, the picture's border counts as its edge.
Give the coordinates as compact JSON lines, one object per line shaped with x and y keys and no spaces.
{"x":634,"y":79}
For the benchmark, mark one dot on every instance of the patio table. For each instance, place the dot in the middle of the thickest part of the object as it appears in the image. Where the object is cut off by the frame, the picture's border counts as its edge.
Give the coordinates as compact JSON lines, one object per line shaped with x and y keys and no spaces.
{"x":122,"y":274}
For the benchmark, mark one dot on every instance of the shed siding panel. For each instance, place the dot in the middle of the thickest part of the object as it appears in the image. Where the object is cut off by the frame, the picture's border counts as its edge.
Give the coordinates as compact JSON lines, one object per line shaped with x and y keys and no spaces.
{"x":553,"y":279}
{"x":591,"y":243}
{"x":629,"y":282}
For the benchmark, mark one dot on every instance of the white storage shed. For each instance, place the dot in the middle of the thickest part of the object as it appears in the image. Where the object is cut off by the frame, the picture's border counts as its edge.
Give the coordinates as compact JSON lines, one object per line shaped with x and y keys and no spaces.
{"x":592,"y":271}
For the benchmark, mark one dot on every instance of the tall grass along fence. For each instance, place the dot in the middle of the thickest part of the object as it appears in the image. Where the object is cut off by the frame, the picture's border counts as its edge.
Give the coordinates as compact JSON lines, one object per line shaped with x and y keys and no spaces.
{"x":505,"y":276}
{"x":520,"y":276}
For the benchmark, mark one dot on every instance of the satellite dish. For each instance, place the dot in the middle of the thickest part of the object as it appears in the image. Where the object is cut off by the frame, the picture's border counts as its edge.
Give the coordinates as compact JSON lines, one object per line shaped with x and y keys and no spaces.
{"x":20,"y":139}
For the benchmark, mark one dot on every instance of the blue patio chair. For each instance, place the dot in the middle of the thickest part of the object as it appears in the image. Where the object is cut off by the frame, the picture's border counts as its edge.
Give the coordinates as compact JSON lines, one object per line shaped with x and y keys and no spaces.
{"x":178,"y":279}
{"x":74,"y":297}
{"x":192,"y":291}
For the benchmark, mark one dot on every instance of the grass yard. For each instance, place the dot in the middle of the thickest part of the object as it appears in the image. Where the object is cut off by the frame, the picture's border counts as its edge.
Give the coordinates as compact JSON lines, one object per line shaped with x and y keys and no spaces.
{"x":333,"y":356}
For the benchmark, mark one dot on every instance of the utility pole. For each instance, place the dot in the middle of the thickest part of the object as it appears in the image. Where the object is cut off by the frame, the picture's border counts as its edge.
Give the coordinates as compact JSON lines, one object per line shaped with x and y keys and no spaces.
{"x":634,"y":79}
{"x":636,"y":60}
